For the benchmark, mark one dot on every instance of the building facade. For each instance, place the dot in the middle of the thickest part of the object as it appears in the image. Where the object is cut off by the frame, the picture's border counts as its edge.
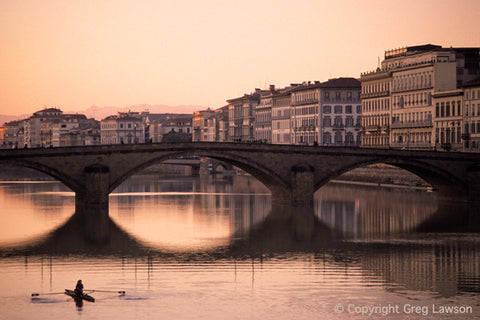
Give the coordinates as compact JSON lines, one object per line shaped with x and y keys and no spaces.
{"x":471,"y":116}
{"x":398,"y":98}
{"x":448,"y":119}
{"x":201,"y":125}
{"x":178,"y":124}
{"x":327,"y":113}
{"x":282,"y":132}
{"x":125,"y":127}
{"x":13,"y":135}
{"x":376,"y":112}
{"x":263,"y":117}
{"x":305,"y":115}
{"x":241,"y":117}
{"x":340,"y":112}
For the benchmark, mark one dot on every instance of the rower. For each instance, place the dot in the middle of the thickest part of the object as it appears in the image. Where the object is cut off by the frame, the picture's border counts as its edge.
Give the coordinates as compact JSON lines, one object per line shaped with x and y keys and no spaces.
{"x":79,"y":287}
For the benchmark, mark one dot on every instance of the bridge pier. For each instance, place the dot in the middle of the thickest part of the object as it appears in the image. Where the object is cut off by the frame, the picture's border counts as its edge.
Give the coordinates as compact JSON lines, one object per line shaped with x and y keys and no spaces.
{"x":296,"y":206}
{"x":95,"y":194}
{"x":302,"y":201}
{"x":473,"y":179}
{"x":91,"y":204}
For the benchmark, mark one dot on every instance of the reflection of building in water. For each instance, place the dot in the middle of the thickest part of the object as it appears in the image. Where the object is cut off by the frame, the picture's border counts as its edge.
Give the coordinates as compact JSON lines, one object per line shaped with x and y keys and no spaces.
{"x":363,"y":212}
{"x":447,"y":268}
{"x":242,"y":199}
{"x":342,"y":216}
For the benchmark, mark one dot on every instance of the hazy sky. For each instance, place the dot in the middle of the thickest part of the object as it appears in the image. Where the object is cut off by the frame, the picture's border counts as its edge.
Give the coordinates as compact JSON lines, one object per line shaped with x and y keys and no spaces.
{"x":75,"y":54}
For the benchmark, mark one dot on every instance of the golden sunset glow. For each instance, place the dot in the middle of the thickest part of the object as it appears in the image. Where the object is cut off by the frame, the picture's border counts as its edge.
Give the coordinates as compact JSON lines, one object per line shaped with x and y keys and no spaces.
{"x":75,"y":54}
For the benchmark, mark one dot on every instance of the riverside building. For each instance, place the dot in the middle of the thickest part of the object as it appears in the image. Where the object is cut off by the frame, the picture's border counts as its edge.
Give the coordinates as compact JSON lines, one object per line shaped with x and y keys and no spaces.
{"x":125,"y":127}
{"x":241,"y":116}
{"x":471,"y":116}
{"x":327,"y":113}
{"x":417,"y":75}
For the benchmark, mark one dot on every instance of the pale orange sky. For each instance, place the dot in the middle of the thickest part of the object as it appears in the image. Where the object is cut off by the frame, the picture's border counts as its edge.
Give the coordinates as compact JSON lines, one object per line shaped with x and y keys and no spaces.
{"x":75,"y":54}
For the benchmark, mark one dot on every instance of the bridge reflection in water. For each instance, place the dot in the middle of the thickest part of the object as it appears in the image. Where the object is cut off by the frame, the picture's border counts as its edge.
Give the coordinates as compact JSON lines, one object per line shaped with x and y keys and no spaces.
{"x":410,"y":247}
{"x":419,"y":261}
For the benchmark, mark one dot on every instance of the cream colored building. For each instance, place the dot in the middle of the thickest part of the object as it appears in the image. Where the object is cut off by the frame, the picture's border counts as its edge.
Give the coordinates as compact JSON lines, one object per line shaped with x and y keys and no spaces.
{"x":281,"y":112}
{"x":448,"y":119}
{"x":241,"y":116}
{"x":340,"y":113}
{"x":200,"y":124}
{"x":305,"y":113}
{"x":13,"y":134}
{"x":471,"y":116}
{"x":263,"y":117}
{"x":376,"y":111}
{"x":416,"y":75}
{"x":123,"y":128}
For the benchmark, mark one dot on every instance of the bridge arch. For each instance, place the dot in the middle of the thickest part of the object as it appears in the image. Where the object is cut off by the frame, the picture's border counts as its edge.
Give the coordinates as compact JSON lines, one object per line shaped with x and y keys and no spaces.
{"x":50,"y":171}
{"x":443,"y":181}
{"x":274,"y":182}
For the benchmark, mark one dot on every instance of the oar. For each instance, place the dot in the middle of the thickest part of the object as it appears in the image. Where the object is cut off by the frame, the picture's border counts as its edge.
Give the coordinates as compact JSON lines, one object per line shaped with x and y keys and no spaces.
{"x":120,"y":292}
{"x":37,"y":294}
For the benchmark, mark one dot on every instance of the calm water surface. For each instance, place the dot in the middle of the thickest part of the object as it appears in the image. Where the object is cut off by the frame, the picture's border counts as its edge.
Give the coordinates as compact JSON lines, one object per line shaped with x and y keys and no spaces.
{"x":205,"y":248}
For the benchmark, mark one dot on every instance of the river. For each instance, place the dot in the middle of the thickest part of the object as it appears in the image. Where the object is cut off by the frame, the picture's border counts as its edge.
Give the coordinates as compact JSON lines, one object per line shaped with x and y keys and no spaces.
{"x":205,"y":248}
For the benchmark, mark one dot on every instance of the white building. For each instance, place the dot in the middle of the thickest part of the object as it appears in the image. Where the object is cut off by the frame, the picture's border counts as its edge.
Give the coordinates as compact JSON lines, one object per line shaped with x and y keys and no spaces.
{"x":448,"y":119}
{"x":123,"y":128}
{"x":263,"y":116}
{"x":471,"y":116}
{"x":38,"y":128}
{"x":405,"y":87}
{"x":327,"y":113}
{"x":181,"y":124}
{"x":340,"y":112}
{"x":376,"y":112}
{"x":282,"y":132}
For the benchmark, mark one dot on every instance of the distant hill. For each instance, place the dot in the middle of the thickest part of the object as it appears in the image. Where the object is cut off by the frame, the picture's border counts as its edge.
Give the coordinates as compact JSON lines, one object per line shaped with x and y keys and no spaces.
{"x":100,"y":113}
{"x":7,"y":118}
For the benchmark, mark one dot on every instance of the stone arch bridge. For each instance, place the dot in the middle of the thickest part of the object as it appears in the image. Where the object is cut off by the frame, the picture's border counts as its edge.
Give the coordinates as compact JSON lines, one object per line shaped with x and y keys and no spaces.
{"x":291,"y":172}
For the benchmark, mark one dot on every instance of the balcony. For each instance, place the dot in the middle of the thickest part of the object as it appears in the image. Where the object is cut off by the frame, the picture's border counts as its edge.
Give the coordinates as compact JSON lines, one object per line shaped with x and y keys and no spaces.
{"x":337,"y":126}
{"x":375,"y":94}
{"x":416,"y":124}
{"x":412,"y":145}
{"x":304,"y":102}
{"x":304,"y":128}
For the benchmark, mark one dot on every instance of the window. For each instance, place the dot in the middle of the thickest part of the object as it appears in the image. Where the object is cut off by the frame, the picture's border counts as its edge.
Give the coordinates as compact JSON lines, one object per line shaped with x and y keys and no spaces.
{"x":327,"y":138}
{"x":349,"y":121}
{"x":327,"y":122}
{"x":338,"y":109}
{"x":349,"y":138}
{"x":338,"y":95}
{"x":359,"y":109}
{"x":327,"y":109}
{"x":348,"y":109}
{"x":338,"y":138}
{"x":338,"y":121}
